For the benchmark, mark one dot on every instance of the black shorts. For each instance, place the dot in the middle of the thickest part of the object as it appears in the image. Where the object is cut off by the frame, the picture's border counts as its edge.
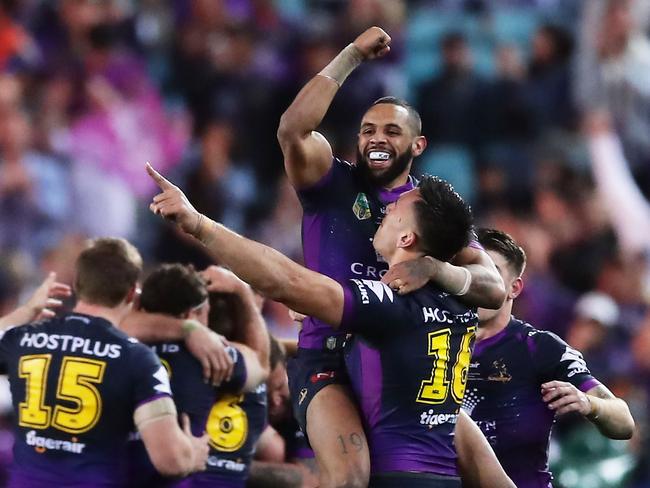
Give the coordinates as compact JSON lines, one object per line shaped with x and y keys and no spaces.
{"x":413,"y":480}
{"x":311,"y":371}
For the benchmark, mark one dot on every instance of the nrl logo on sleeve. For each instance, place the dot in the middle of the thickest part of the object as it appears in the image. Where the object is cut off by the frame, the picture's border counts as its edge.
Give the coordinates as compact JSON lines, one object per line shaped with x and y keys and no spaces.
{"x":361,"y":207}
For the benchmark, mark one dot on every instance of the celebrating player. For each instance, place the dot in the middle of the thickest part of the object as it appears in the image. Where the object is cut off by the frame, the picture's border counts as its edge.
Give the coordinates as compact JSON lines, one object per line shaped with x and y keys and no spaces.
{"x":410,"y":408}
{"x":521,"y":377}
{"x":343,"y":204}
{"x":79,"y":385}
{"x":179,"y":291}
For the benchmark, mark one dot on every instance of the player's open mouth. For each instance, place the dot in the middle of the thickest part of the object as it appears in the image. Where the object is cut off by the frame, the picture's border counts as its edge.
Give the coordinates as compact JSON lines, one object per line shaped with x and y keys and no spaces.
{"x":379,"y":159}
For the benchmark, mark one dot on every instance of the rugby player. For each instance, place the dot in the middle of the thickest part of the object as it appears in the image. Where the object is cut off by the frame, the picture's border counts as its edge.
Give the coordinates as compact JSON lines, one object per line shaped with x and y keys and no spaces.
{"x":521,"y":378}
{"x":412,"y":351}
{"x":343,"y":204}
{"x":179,"y":291}
{"x":79,"y":385}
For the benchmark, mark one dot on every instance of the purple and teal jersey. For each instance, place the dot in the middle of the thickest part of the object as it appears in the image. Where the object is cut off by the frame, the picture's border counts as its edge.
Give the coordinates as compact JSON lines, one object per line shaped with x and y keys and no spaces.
{"x":408,"y":368}
{"x":192,"y":396}
{"x":340,"y":216}
{"x":235,"y":423}
{"x":504,"y":396}
{"x":75,"y":382}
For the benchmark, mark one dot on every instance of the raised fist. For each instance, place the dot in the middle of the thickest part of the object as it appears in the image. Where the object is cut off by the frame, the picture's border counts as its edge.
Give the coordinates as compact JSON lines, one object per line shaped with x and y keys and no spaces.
{"x":373,"y":43}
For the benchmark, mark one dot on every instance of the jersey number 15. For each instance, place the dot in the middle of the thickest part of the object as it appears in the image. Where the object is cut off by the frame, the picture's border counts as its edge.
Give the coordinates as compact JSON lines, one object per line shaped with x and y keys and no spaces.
{"x":75,"y":385}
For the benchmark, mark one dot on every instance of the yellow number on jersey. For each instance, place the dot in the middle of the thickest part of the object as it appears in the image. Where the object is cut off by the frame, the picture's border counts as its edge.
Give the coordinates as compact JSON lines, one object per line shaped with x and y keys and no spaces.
{"x":75,"y":385}
{"x":227,"y":424}
{"x":435,"y":390}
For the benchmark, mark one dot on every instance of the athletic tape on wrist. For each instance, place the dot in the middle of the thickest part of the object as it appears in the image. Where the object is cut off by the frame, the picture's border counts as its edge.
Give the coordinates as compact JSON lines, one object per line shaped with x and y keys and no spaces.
{"x":467,"y":284}
{"x":343,"y":64}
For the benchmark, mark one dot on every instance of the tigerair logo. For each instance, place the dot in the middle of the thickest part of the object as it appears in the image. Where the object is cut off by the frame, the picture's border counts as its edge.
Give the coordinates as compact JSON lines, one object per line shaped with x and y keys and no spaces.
{"x":361,"y":207}
{"x":42,"y":444}
{"x":432,"y":419}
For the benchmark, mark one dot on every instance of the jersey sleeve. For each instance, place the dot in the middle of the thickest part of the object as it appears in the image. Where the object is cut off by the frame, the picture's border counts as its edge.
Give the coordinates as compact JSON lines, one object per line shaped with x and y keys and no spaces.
{"x":556,"y":360}
{"x":371,"y":308}
{"x":149,"y":376}
{"x":239,"y":373}
{"x":318,"y":195}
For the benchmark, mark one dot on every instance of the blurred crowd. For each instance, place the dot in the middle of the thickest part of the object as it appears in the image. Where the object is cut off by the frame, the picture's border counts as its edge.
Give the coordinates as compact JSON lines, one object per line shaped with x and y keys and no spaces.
{"x":537,"y":110}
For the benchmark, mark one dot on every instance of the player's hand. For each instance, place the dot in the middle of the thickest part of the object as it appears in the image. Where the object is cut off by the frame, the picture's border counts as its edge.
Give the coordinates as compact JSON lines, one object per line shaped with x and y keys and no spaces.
{"x":172,"y":204}
{"x":373,"y":43}
{"x":411,"y":275}
{"x":220,"y":280}
{"x":563,"y":397}
{"x":200,"y":448}
{"x":210,"y":349}
{"x":45,"y":299}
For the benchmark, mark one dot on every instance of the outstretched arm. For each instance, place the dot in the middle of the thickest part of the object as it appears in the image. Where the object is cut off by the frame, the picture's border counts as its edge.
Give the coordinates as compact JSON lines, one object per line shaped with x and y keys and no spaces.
{"x":265,"y":269}
{"x":473,"y":276}
{"x":607,"y":412}
{"x":307,"y":154}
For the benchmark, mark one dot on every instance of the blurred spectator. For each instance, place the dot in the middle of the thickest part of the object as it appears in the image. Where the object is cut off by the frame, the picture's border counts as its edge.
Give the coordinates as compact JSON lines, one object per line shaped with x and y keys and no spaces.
{"x":450,"y":102}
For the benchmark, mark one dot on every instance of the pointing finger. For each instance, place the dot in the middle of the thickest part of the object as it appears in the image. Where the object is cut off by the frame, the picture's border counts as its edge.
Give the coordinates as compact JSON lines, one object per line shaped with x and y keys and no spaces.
{"x":160,"y":180}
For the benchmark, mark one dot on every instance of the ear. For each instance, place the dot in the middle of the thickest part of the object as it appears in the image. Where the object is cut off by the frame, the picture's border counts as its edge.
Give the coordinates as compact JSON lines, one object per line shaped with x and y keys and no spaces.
{"x":407,"y":240}
{"x":418,"y":145}
{"x":132,"y":297}
{"x":516,"y":288}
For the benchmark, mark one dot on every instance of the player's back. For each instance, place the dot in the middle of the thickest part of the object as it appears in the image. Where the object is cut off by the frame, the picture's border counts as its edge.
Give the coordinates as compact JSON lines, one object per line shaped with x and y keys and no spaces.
{"x":76,"y":381}
{"x":235,"y":423}
{"x":408,"y":366}
{"x":192,"y":396}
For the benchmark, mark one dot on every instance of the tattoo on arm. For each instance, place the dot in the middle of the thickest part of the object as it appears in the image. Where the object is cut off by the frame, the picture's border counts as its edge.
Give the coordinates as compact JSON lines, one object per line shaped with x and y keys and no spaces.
{"x":601,"y":391}
{"x":353,"y":441}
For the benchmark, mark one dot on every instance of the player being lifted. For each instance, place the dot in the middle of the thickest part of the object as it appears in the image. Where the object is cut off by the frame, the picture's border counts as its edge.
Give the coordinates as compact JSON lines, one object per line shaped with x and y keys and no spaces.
{"x":521,"y":377}
{"x":417,"y":346}
{"x":179,"y":291}
{"x":343,"y":204}
{"x":79,"y":385}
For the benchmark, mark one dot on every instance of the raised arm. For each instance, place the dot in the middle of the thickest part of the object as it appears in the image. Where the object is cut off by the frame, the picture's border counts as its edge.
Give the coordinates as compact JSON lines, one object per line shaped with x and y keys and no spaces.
{"x":39,"y":305}
{"x":607,"y":412}
{"x":473,"y":276}
{"x":265,"y":269}
{"x":307,"y":154}
{"x":250,"y":327}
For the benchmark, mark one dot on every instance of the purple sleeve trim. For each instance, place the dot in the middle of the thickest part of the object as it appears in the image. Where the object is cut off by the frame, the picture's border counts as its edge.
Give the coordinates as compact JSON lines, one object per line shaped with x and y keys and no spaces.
{"x":476,"y":245}
{"x":349,"y":302}
{"x":151,"y":399}
{"x":589,"y":384}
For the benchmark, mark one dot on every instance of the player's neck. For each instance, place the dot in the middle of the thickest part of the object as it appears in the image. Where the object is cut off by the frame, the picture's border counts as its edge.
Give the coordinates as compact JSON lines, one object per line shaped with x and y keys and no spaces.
{"x":496,"y":324}
{"x":401,"y":180}
{"x":113,"y":315}
{"x":401,"y":254}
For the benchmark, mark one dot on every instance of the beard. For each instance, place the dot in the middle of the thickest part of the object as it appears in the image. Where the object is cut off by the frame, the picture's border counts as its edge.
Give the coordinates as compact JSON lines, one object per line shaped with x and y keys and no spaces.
{"x":385,"y":176}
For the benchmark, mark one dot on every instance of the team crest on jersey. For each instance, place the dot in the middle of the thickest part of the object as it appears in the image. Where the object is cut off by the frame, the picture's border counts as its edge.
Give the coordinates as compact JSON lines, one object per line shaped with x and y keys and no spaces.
{"x":361,"y":207}
{"x":501,"y":373}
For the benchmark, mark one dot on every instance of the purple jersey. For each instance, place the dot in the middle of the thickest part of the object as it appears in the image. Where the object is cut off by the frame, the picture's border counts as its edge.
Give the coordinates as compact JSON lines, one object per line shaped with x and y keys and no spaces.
{"x":408,"y":367}
{"x":76,"y":381}
{"x":340,"y":216}
{"x":192,"y":396}
{"x":504,"y":396}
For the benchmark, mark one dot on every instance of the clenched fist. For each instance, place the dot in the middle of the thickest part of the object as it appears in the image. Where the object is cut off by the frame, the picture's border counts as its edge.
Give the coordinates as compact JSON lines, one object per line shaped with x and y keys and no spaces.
{"x":373,"y":43}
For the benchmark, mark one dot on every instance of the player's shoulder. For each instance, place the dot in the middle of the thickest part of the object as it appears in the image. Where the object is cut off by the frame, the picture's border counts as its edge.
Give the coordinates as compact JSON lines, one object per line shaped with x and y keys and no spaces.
{"x":536,"y":338}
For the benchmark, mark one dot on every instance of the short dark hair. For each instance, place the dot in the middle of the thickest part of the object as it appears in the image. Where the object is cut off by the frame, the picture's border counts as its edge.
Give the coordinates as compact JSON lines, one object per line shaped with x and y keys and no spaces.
{"x":444,"y":220}
{"x":277,"y":355}
{"x":415,"y":121}
{"x":173,"y":289}
{"x":498,"y":241}
{"x":106,"y":271}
